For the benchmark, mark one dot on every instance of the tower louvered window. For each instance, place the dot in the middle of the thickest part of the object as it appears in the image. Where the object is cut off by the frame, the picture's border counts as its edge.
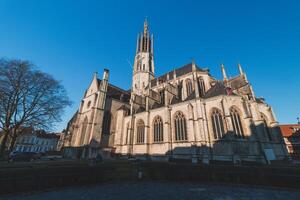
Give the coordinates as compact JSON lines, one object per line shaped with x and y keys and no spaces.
{"x":180,"y":127}
{"x":217,"y":124}
{"x":158,"y":130}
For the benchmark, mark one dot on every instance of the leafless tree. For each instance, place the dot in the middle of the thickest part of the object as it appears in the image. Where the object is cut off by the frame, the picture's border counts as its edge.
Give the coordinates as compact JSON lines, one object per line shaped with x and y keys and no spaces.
{"x":28,"y":98}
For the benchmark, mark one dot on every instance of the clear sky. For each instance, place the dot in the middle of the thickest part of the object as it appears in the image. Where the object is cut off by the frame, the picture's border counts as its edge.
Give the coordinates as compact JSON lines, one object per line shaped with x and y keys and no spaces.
{"x":72,"y":39}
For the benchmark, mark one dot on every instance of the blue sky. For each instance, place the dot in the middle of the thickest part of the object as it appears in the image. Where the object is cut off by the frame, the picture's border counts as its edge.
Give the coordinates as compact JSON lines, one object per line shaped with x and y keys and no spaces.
{"x":72,"y":39}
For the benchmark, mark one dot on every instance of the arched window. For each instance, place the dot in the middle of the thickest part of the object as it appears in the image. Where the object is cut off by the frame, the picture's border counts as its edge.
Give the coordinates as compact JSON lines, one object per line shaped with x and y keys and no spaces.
{"x":106,"y":122}
{"x":236,"y":123}
{"x":89,"y":104}
{"x":217,"y":124}
{"x":201,"y":87}
{"x":158,"y":130}
{"x":189,"y":87}
{"x":83,"y":131}
{"x":180,"y":127}
{"x":140,"y":132}
{"x":266,"y":127}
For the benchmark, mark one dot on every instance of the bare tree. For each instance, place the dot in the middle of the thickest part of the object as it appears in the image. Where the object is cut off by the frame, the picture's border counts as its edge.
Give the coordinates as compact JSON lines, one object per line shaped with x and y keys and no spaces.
{"x":28,"y":98}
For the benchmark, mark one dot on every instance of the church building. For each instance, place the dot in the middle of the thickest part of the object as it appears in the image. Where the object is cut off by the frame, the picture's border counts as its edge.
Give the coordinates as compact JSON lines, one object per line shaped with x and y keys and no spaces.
{"x":183,"y":114}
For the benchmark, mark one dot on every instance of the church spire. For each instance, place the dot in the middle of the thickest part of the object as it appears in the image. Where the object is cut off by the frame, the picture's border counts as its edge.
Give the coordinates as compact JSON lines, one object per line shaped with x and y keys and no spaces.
{"x":144,"y":41}
{"x":223,"y":72}
{"x":143,"y":70}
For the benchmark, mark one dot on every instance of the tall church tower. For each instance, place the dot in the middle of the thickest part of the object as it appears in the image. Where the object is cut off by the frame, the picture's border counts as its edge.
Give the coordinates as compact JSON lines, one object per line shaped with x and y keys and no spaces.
{"x":143,"y":71}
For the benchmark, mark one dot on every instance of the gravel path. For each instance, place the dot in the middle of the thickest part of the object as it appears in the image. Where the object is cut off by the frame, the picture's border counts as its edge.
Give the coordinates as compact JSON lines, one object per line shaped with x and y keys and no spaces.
{"x":159,"y":190}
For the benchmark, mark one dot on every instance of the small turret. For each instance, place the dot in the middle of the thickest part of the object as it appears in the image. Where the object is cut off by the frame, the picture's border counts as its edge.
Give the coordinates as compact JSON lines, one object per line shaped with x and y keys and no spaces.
{"x":240,"y":69}
{"x":223,"y":72}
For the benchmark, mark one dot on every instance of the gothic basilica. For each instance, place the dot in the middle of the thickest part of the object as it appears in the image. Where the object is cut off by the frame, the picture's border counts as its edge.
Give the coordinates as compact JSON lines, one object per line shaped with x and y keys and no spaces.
{"x":183,"y":114}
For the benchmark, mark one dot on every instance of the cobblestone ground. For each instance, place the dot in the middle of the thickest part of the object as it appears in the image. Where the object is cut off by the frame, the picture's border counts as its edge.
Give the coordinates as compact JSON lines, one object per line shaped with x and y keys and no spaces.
{"x":158,"y":191}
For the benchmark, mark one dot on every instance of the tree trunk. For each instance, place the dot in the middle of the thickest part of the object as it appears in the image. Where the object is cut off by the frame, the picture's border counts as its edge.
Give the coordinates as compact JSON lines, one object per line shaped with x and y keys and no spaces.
{"x":12,"y":143}
{"x":3,"y":144}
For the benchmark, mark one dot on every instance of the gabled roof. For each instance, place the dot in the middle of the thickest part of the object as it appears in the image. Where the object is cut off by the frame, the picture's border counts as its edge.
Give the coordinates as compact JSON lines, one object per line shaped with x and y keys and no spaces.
{"x":116,"y":92}
{"x":237,"y":82}
{"x":218,"y":89}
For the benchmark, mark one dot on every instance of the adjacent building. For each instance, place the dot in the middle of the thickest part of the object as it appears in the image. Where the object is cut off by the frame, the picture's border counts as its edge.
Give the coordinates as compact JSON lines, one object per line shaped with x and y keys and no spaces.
{"x":37,"y":141}
{"x":291,"y":135}
{"x":185,"y":113}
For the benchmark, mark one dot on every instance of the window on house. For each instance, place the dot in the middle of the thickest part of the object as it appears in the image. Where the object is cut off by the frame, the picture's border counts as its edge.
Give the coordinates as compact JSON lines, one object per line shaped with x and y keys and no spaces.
{"x":158,"y":130}
{"x":180,"y":127}
{"x":140,"y":132}
{"x":236,"y":123}
{"x":217,"y":124}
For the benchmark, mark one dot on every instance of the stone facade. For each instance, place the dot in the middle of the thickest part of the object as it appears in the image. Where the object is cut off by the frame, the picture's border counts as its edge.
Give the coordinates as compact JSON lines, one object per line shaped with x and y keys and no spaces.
{"x":183,"y":114}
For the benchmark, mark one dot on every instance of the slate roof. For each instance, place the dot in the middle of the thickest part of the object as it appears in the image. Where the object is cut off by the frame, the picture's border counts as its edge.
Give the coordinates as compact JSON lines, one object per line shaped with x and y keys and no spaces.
{"x":288,"y":130}
{"x":179,"y":72}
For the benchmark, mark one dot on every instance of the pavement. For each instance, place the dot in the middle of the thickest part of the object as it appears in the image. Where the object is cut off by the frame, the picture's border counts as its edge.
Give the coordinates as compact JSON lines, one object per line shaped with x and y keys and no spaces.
{"x":158,"y":190}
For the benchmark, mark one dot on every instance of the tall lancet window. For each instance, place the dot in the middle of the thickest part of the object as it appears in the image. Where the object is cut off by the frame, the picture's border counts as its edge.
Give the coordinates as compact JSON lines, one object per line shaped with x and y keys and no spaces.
{"x":127,"y":133}
{"x":201,"y":86}
{"x":179,"y":90}
{"x":158,"y":130}
{"x":189,"y":87}
{"x":266,"y":127}
{"x":162,"y":96}
{"x":106,"y":122}
{"x":217,"y":124}
{"x":140,"y":132}
{"x":236,"y":123}
{"x":83,"y":131}
{"x":180,"y":127}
